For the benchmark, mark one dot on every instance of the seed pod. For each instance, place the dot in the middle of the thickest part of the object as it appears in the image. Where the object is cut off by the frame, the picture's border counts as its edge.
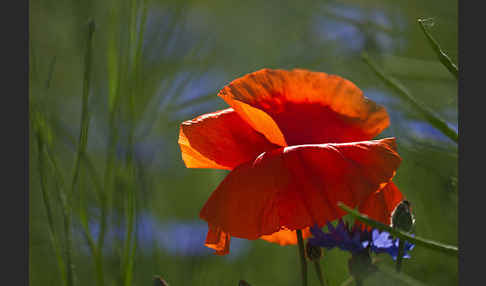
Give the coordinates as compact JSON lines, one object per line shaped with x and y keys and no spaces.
{"x":313,"y":252}
{"x":402,"y":217}
{"x":158,"y":281}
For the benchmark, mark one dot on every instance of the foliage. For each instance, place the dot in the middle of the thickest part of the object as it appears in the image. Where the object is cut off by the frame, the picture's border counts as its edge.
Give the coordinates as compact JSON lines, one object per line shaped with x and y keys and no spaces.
{"x":111,"y":80}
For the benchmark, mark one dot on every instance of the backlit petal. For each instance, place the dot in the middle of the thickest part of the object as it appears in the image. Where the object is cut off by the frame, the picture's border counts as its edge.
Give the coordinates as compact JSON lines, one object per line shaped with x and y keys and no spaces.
{"x":380,"y":204}
{"x":286,"y":236}
{"x":299,"y":186}
{"x":303,"y":107}
{"x":220,"y":140}
{"x":218,"y":240}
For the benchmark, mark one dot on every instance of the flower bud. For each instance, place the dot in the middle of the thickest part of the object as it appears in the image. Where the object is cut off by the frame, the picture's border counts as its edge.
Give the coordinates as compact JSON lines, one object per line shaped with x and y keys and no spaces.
{"x":158,"y":281}
{"x":402,"y":217}
{"x":313,"y":252}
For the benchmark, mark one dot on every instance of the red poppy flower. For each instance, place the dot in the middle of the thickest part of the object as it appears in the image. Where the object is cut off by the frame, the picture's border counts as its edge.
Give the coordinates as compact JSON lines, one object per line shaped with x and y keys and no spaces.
{"x":296,"y":142}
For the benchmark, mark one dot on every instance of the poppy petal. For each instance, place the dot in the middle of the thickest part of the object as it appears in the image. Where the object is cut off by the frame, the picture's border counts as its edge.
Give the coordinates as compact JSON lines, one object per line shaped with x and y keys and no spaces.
{"x":380,"y":204}
{"x":286,"y":236}
{"x":299,"y":186}
{"x":220,"y":140}
{"x":305,"y":107}
{"x":218,"y":240}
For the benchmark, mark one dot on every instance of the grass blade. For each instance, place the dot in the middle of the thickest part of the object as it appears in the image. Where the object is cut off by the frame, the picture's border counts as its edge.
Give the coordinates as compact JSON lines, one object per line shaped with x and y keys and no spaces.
{"x":447,"y":249}
{"x":51,"y":72}
{"x":47,"y":204}
{"x":429,"y":115}
{"x":443,"y":57}
{"x":66,"y":214}
{"x":82,"y":142}
{"x":83,"y":134}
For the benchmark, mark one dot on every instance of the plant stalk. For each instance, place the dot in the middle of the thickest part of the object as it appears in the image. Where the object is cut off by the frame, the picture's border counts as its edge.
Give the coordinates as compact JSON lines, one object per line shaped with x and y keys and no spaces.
{"x":319,"y":273}
{"x":303,"y":262}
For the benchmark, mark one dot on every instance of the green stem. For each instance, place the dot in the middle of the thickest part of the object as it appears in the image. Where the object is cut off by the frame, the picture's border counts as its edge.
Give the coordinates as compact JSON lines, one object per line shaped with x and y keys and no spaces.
{"x":96,"y":248}
{"x":303,"y":262}
{"x":82,"y":143}
{"x":401,"y":250}
{"x":66,"y":214}
{"x":319,"y":272}
{"x":83,"y":133}
{"x":130,"y":237}
{"x":443,"y":57}
{"x":68,"y":248}
{"x":128,"y":249}
{"x":46,"y":200}
{"x":444,"y":248}
{"x":428,"y":114}
{"x":51,"y":72}
{"x":99,"y":267}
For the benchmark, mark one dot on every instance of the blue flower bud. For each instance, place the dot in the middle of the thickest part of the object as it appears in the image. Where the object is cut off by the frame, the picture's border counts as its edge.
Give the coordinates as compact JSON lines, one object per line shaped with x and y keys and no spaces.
{"x":402,"y":217}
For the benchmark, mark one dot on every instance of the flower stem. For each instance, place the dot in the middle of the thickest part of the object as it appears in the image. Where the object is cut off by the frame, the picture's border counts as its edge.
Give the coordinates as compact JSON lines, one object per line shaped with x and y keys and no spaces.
{"x":401,"y":248}
{"x":444,"y":248}
{"x":319,"y":273}
{"x":303,"y":262}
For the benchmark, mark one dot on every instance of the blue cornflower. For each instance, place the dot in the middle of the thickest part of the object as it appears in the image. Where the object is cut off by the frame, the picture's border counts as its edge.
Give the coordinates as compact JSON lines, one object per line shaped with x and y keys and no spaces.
{"x":355,"y":240}
{"x":383,"y":242}
{"x":340,"y":236}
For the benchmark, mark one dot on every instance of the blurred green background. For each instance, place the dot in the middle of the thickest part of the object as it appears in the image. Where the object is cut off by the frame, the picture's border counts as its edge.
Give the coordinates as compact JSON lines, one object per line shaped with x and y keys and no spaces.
{"x":157,"y":63}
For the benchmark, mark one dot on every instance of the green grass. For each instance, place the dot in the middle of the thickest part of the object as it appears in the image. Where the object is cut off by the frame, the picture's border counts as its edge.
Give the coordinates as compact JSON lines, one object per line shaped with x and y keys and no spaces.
{"x":107,"y":98}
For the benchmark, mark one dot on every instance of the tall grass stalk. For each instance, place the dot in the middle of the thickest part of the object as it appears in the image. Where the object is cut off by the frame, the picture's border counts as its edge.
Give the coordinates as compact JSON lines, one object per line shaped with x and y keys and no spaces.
{"x":66,"y":206}
{"x":443,"y":57}
{"x":428,"y":114}
{"x":83,"y":133}
{"x":81,"y":149}
{"x":123,"y":76}
{"x":41,"y":135}
{"x":112,"y":56}
{"x":46,"y":200}
{"x":63,"y":252}
{"x":134,"y":49}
